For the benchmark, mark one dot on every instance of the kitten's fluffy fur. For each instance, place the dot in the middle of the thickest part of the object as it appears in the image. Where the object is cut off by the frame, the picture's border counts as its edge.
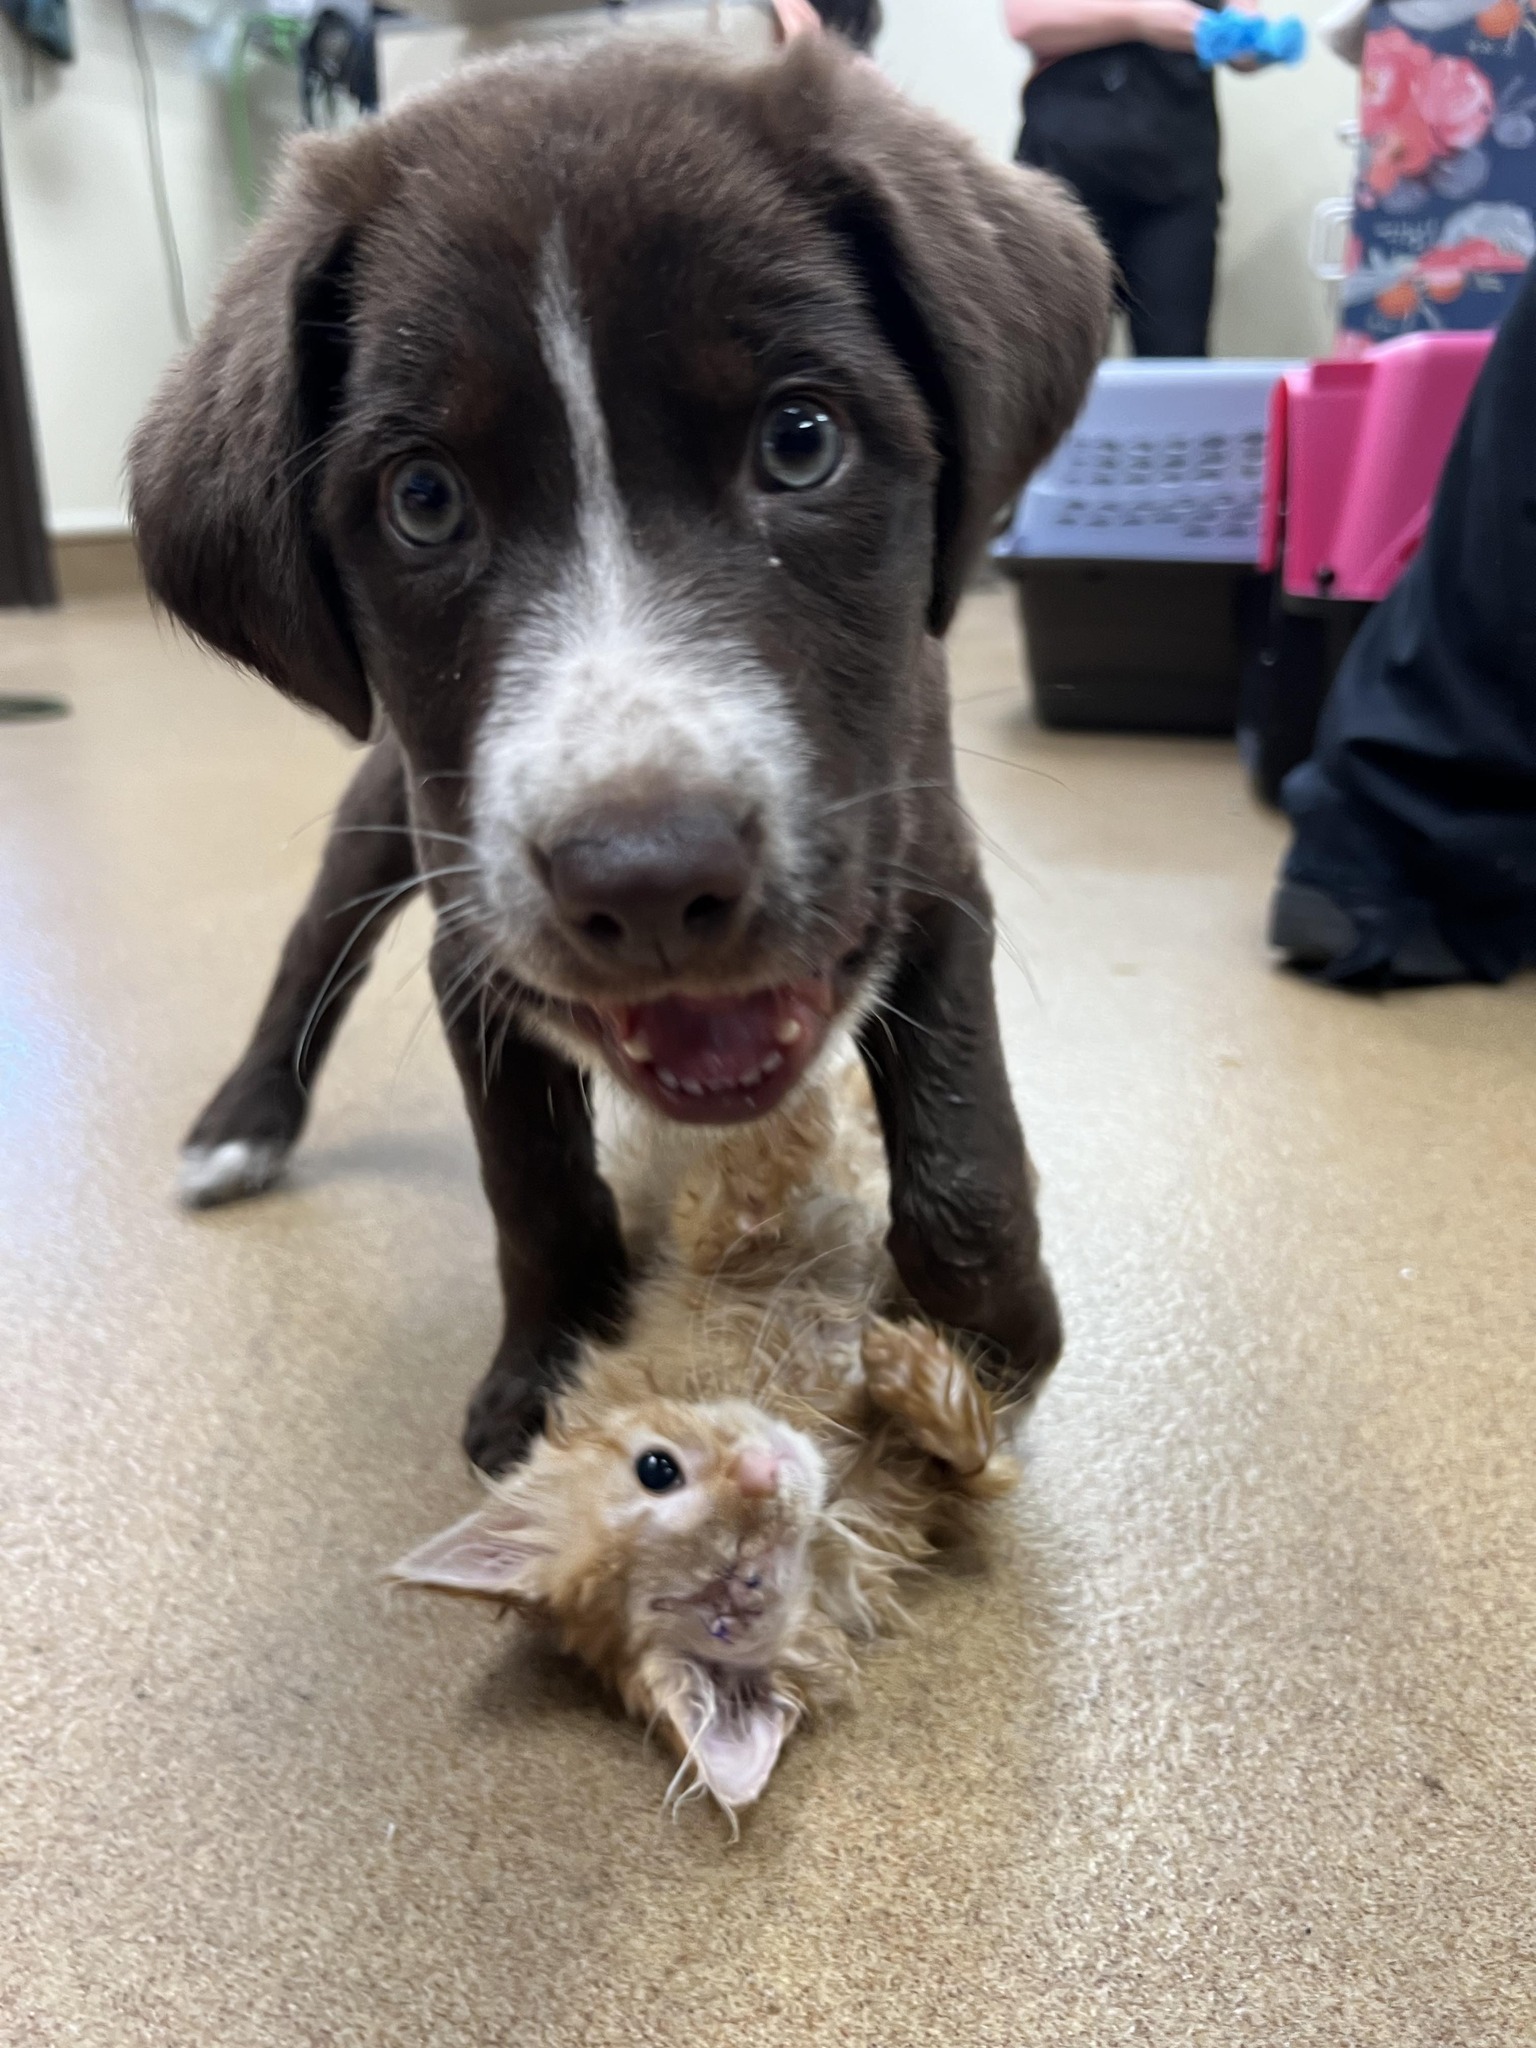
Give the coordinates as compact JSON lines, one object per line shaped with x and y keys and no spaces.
{"x":822,"y":1449}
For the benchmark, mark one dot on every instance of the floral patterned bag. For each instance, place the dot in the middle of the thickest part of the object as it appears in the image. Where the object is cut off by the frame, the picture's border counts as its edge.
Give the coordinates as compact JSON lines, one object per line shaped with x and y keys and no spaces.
{"x":1445,"y":193}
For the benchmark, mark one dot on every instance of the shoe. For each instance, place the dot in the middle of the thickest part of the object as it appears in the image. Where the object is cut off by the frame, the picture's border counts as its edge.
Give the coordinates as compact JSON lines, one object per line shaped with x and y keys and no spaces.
{"x":1320,"y":935}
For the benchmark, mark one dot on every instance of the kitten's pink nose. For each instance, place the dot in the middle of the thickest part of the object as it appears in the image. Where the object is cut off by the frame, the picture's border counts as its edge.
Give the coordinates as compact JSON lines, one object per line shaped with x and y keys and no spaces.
{"x":757,"y":1472}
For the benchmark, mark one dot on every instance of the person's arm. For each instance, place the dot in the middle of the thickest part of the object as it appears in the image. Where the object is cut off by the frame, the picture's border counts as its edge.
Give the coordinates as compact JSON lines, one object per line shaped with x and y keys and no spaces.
{"x":1343,"y":30}
{"x":795,"y":18}
{"x":1060,"y":28}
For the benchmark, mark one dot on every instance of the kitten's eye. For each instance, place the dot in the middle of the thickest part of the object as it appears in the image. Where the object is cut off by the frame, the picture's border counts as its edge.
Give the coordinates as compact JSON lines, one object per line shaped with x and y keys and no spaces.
{"x":801,"y":444}
{"x":658,"y":1471}
{"x":425,"y":502}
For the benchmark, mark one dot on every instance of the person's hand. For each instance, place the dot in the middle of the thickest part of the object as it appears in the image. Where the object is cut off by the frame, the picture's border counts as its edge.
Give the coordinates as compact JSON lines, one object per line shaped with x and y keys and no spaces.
{"x":1168,"y":24}
{"x":796,"y":18}
{"x":1244,"y":64}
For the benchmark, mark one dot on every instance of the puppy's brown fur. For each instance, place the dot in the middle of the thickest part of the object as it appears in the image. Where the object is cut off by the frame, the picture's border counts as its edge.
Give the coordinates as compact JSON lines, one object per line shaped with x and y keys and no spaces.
{"x":717,"y":230}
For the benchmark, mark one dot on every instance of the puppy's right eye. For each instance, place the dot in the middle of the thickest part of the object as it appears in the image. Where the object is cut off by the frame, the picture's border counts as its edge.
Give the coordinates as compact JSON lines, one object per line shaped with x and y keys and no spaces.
{"x":658,"y":1471}
{"x":425,"y":502}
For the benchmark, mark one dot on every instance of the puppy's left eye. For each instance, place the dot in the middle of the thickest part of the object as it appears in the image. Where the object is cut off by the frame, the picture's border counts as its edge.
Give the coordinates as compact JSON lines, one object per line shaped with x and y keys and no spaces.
{"x":801,"y":444}
{"x":425,"y":502}
{"x":658,"y":1471}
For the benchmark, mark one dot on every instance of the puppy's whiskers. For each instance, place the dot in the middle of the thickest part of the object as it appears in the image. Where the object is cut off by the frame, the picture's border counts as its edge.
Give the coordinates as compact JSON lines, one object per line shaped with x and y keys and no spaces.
{"x":450,"y":1003}
{"x":411,"y":832}
{"x":392,"y":890}
{"x":922,"y":884}
{"x":885,"y":789}
{"x":340,"y":975}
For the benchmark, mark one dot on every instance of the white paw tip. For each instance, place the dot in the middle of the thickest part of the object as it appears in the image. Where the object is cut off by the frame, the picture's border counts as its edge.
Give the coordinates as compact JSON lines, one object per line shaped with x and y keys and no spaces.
{"x":210,"y":1174}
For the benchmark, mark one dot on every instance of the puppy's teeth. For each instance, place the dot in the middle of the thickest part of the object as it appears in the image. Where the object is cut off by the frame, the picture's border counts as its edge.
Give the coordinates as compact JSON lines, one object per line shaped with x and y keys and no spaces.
{"x":789,"y":1031}
{"x":668,"y":1080}
{"x":693,"y":1087}
{"x":636,"y":1047}
{"x":746,"y":1080}
{"x":772,"y":1064}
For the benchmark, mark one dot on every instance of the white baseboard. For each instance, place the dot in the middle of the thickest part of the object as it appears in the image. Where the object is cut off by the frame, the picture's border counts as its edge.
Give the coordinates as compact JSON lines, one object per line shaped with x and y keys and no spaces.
{"x":89,"y":523}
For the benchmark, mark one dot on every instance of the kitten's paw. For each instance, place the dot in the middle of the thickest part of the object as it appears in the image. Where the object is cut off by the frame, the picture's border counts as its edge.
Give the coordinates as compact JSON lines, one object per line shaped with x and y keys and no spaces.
{"x":913,"y":1374}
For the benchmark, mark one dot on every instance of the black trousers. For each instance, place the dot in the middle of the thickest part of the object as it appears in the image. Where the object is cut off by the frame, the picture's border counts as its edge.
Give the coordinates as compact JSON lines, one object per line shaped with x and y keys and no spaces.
{"x":1166,"y":258}
{"x":1421,"y":795}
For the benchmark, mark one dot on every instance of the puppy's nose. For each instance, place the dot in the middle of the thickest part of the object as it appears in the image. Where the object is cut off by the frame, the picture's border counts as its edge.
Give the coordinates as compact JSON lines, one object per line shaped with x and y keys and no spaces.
{"x":757,"y":1473}
{"x":637,"y":882}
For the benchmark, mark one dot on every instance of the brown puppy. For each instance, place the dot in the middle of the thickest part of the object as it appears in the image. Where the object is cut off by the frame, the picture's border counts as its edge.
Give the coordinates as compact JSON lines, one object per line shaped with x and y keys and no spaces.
{"x":608,"y":438}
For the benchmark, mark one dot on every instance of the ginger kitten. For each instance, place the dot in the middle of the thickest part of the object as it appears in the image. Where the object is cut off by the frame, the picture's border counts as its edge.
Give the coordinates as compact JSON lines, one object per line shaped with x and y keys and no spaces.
{"x":723,"y":1503}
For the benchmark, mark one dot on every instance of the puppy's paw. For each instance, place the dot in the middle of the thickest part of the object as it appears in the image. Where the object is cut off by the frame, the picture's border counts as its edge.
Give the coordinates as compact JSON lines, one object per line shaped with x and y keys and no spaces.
{"x":240,"y":1144}
{"x":208,"y":1175}
{"x":505,"y":1415}
{"x":1008,"y":1304}
{"x":915,"y":1375}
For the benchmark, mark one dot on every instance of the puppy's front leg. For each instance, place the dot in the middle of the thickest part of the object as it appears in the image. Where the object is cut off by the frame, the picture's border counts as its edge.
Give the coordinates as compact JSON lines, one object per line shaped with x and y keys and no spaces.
{"x":244,"y":1135}
{"x":559,"y":1251}
{"x":964,"y":1233}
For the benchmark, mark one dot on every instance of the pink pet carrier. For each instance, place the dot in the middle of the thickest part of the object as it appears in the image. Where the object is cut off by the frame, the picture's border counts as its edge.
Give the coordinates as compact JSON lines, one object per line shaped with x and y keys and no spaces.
{"x":1354,"y":453}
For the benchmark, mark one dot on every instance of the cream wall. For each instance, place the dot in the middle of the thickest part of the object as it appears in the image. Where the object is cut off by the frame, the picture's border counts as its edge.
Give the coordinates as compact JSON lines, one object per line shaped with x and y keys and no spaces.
{"x":91,"y":277}
{"x":956,"y":56}
{"x":89,"y":273}
{"x":1282,"y":156}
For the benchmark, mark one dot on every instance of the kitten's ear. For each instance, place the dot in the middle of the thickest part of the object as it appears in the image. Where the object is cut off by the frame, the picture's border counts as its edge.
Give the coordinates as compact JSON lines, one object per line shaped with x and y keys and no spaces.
{"x":731,"y":1739}
{"x":491,"y":1555}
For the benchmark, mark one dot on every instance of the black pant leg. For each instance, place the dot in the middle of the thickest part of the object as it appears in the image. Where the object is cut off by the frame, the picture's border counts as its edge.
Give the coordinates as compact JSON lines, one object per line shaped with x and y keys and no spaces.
{"x":1111,"y":213}
{"x":1421,"y":795}
{"x":1167,"y":259}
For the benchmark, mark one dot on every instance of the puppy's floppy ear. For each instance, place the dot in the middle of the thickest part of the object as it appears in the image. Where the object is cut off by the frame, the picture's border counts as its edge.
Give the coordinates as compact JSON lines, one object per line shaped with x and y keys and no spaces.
{"x":223,"y":470}
{"x":988,"y":280}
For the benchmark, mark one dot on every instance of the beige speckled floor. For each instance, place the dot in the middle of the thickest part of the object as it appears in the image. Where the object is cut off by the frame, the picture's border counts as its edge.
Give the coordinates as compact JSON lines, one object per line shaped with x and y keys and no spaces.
{"x":1235,"y":1746}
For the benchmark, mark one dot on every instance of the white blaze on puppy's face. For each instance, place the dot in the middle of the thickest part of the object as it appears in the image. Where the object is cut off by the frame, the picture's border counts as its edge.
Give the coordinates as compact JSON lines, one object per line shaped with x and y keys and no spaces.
{"x":615,"y":683}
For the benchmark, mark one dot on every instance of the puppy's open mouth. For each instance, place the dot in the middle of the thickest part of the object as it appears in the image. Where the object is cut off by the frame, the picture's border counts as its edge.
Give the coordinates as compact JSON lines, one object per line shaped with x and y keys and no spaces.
{"x":714,"y":1059}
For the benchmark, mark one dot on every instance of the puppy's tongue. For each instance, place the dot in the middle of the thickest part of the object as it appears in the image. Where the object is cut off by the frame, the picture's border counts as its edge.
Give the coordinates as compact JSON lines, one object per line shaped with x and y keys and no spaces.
{"x":719,"y":1059}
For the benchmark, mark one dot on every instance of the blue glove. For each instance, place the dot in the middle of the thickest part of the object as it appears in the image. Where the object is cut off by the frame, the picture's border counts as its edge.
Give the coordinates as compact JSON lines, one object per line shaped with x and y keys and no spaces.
{"x":1225,"y":33}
